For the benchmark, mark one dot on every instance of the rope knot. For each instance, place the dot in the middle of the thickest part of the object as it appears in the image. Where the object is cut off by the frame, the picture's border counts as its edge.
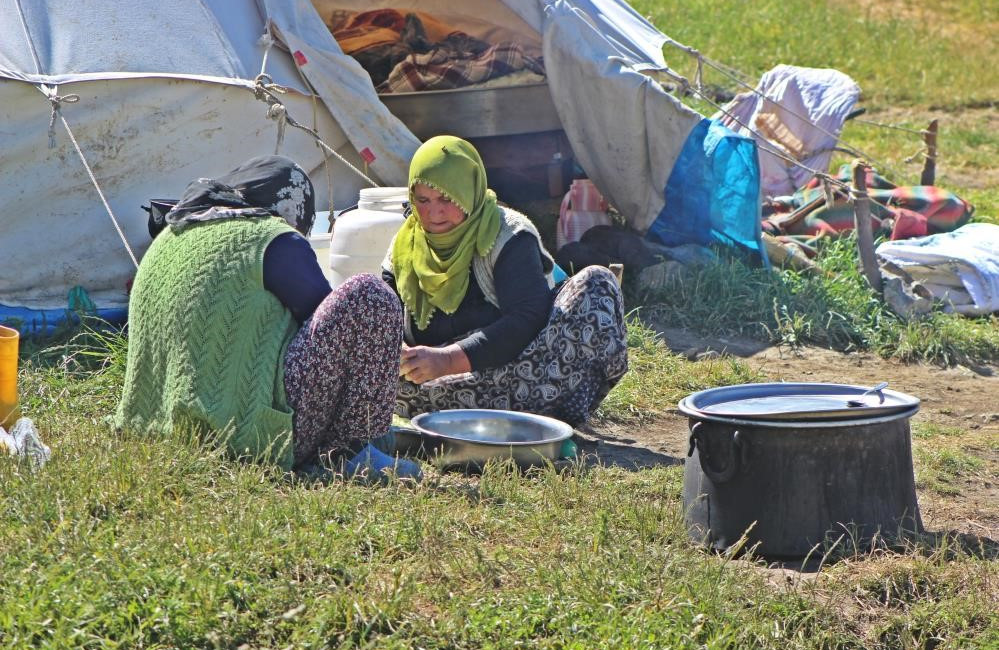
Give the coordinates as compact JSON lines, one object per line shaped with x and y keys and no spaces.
{"x":56,"y":102}
{"x":264,"y":89}
{"x":279,"y":113}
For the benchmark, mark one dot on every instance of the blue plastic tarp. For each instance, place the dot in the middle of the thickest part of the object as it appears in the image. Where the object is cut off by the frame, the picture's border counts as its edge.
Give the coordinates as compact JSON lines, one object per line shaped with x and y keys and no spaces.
{"x":46,"y":321}
{"x":713,"y":193}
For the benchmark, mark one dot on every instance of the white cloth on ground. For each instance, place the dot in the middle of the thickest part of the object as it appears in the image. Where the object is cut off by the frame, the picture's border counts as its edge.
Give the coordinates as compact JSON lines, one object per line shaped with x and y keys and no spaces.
{"x":23,"y":441}
{"x":959,"y":268}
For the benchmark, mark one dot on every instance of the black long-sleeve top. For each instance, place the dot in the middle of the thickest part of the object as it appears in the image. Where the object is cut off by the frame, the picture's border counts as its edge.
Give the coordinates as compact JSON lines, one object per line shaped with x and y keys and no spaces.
{"x":293,"y":275}
{"x":491,"y":336}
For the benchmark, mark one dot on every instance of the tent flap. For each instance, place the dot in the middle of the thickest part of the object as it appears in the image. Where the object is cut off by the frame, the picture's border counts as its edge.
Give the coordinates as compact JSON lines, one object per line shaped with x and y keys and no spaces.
{"x":346,"y":90}
{"x":625,"y":130}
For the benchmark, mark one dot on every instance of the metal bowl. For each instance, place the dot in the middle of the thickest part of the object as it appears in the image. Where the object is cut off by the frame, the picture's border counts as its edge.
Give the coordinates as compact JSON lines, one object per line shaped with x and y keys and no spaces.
{"x":474,"y":436}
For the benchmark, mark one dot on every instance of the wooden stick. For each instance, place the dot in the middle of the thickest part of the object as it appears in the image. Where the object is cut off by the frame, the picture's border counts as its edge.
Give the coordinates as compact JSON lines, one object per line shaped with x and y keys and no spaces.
{"x":930,"y":164}
{"x":618,"y":271}
{"x":787,"y":221}
{"x":862,"y":222}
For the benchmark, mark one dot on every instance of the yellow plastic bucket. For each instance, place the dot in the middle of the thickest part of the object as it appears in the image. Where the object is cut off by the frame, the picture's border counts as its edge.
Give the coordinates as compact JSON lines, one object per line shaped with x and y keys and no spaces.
{"x":9,"y":410}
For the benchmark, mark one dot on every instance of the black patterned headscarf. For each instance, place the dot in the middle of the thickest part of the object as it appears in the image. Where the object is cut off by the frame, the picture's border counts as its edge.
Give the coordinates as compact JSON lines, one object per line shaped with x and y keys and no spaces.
{"x":260,"y":187}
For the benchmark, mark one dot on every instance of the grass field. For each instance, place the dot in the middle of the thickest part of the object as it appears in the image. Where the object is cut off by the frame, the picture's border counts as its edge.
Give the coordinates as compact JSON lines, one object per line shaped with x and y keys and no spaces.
{"x":127,"y":542}
{"x":122,"y":542}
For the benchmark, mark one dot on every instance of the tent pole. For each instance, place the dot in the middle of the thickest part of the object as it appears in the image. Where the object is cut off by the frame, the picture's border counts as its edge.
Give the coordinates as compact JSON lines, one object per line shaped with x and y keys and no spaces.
{"x":862,"y":223}
{"x":930,"y":164}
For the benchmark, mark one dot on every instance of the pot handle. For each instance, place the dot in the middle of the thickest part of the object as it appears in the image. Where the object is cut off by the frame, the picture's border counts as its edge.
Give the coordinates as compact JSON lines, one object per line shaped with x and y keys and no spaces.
{"x":738,"y":450}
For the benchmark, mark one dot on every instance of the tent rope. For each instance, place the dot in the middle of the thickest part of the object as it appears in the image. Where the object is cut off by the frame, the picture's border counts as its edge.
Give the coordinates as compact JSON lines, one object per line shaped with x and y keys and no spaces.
{"x":279,"y":114}
{"x":267,"y":40}
{"x":27,"y":38}
{"x":766,"y":146}
{"x":735,"y":76}
{"x":896,"y":127}
{"x":919,"y":154}
{"x":266,"y":91}
{"x":56,"y":100}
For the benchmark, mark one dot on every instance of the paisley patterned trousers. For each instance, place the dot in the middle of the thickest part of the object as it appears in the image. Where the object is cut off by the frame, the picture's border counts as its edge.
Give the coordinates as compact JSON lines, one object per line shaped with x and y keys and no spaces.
{"x":565,"y":372}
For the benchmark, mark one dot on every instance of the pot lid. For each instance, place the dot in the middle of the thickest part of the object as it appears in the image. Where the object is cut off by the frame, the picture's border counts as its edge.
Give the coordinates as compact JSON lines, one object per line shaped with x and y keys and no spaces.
{"x":796,"y":401}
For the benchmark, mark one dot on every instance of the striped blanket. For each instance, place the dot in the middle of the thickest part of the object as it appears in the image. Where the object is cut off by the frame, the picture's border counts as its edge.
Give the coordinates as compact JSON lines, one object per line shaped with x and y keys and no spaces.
{"x":900,"y":212}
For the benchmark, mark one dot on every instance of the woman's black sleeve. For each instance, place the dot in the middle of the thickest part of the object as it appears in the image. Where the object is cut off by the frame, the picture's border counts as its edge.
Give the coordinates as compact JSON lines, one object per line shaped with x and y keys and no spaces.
{"x":525,"y":303}
{"x":292,"y":273}
{"x":389,"y":278}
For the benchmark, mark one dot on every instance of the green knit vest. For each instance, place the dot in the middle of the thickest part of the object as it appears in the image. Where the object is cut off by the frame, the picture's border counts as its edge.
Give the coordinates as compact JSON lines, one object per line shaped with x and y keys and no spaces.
{"x":206,"y":340}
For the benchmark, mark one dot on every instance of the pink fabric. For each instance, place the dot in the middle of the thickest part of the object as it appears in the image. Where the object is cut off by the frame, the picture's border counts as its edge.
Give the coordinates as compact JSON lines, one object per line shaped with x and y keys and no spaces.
{"x":582,"y":208}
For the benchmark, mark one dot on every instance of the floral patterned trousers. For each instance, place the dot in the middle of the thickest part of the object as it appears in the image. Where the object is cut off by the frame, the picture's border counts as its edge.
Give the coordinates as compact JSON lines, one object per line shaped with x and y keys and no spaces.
{"x":341,"y":368}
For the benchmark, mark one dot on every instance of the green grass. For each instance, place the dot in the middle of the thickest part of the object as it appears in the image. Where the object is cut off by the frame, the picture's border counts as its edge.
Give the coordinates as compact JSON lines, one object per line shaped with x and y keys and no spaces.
{"x":121,"y":541}
{"x":834,"y":308}
{"x":658,"y":379}
{"x":942,"y":469}
{"x":926,"y":429}
{"x":897,"y":56}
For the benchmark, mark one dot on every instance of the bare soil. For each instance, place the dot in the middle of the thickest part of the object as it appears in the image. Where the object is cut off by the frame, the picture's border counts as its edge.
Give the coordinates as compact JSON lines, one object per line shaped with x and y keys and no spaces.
{"x":963,"y":401}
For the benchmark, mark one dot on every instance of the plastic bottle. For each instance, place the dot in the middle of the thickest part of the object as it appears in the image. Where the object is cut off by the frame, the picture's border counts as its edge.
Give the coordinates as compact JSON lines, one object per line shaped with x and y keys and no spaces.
{"x":9,"y":409}
{"x":556,"y":184}
{"x":362,"y":236}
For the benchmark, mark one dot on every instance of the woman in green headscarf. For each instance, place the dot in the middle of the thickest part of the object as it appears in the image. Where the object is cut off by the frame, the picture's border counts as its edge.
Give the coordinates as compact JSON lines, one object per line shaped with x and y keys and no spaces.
{"x":485,"y":326}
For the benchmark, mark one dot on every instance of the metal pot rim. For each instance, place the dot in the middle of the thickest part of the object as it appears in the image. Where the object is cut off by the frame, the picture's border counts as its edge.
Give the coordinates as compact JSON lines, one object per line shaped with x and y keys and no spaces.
{"x":797,"y":424}
{"x":795,"y":402}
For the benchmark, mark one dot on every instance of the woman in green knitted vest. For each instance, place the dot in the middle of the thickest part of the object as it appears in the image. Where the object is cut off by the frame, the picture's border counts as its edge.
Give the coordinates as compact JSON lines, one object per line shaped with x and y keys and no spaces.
{"x":486,"y":325}
{"x":234,"y":331}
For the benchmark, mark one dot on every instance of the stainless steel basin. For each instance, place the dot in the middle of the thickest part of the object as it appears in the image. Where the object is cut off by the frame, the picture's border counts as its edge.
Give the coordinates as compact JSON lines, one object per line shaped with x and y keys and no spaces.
{"x":473,"y":436}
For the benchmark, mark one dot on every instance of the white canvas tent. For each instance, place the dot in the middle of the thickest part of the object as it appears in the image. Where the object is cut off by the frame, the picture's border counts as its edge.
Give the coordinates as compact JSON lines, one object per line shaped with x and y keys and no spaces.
{"x":164,"y":96}
{"x":164,"y":92}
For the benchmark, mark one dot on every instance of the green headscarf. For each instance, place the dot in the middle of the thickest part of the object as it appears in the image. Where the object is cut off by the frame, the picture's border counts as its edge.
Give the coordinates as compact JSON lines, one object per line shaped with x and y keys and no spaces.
{"x":431,"y":270}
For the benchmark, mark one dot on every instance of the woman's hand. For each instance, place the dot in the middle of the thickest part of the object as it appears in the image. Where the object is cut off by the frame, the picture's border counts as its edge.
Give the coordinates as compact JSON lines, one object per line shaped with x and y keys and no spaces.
{"x":421,"y":363}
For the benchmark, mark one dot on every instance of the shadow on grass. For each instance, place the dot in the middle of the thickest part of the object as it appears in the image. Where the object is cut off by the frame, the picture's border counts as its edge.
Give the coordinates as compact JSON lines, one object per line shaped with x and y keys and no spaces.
{"x":954,"y":543}
{"x":946,"y":545}
{"x":608,"y":451}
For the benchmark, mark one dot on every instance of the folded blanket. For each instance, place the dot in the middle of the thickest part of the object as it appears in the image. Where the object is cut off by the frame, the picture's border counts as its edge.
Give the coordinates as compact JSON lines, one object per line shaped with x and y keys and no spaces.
{"x":407,"y":52}
{"x":359,"y":31}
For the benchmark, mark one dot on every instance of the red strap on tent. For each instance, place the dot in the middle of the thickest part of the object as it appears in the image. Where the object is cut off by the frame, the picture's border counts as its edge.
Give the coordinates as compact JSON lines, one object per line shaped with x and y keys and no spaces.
{"x":300,"y":58}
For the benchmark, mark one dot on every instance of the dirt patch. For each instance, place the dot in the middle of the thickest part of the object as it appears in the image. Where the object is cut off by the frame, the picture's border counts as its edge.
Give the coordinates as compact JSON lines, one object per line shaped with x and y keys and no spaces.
{"x":961,"y":401}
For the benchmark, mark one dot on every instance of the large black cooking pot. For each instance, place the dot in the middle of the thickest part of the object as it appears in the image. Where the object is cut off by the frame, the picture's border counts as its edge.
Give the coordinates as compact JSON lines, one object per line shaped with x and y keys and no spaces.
{"x":795,"y":466}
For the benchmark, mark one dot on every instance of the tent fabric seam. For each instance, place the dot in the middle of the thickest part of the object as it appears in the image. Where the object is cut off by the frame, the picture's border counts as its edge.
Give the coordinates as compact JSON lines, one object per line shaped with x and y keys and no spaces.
{"x":58,"y":80}
{"x":27,"y":38}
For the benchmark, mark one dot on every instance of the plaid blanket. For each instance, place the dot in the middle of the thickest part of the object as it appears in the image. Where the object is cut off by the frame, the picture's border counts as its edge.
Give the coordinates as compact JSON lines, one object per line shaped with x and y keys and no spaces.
{"x":899,"y":212}
{"x":458,"y":62}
